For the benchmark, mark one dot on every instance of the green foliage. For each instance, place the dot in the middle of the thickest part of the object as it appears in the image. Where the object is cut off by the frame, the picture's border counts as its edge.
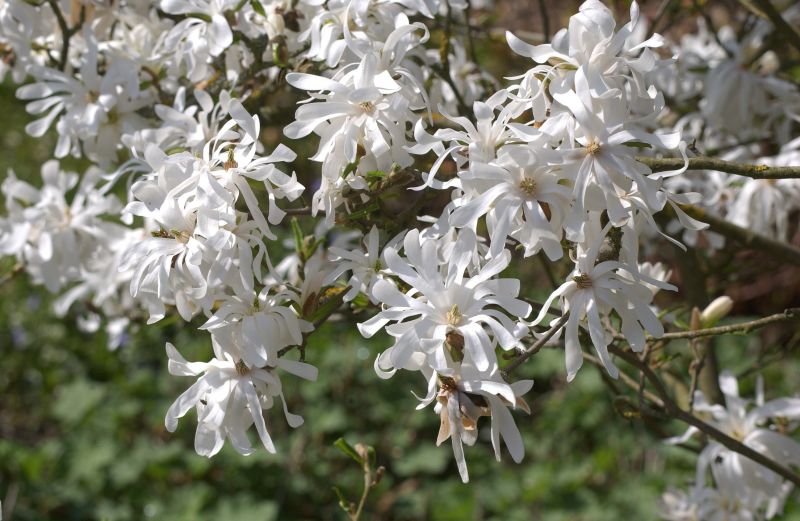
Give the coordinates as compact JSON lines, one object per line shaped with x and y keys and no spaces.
{"x":82,"y":433}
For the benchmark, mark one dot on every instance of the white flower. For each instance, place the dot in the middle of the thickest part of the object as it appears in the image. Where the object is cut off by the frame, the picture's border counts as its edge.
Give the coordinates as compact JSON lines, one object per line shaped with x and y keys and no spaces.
{"x":229,"y":396}
{"x":464,"y":397}
{"x":591,"y":291}
{"x":748,"y":427}
{"x":605,"y":57}
{"x":521,"y":196}
{"x":261,"y":326}
{"x":93,"y":110}
{"x":202,"y":35}
{"x":764,"y":206}
{"x":677,"y":505}
{"x":55,"y":235}
{"x":358,"y":104}
{"x":447,"y":305}
{"x":366,"y":266}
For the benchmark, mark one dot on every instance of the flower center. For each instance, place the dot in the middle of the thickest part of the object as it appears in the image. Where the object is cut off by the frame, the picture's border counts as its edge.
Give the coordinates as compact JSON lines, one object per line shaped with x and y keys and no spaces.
{"x":230,"y":162}
{"x":527,"y":186}
{"x":454,"y":316}
{"x":367,"y":106}
{"x":447,"y":384}
{"x":593,"y":148}
{"x":241,"y":368}
{"x":583,"y":281}
{"x":738,"y":434}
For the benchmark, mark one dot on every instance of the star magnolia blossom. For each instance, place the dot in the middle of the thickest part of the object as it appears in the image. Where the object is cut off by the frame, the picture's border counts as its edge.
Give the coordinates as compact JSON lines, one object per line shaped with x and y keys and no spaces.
{"x":229,"y":397}
{"x":447,"y":305}
{"x":748,"y":427}
{"x":433,"y":175}
{"x":592,"y":290}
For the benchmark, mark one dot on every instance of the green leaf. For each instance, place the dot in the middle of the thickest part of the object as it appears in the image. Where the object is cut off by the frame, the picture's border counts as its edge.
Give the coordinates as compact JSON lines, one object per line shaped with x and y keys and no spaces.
{"x":76,"y":400}
{"x":363,"y":212}
{"x":343,"y":502}
{"x":637,"y":144}
{"x":328,"y":301}
{"x":375,"y":174}
{"x":257,"y":7}
{"x":348,"y":449}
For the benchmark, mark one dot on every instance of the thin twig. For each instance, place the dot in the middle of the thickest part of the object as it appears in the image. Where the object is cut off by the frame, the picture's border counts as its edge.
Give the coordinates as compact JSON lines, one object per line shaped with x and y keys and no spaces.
{"x":66,"y":32}
{"x":765,"y":8}
{"x":778,"y":249}
{"x":306,"y":210}
{"x":536,"y":346}
{"x":657,"y":164}
{"x":675,"y":411}
{"x":545,"y":19}
{"x":443,"y":70}
{"x":548,"y":271}
{"x":626,"y":379}
{"x":364,"y":494}
{"x":16,"y":270}
{"x":741,"y":327}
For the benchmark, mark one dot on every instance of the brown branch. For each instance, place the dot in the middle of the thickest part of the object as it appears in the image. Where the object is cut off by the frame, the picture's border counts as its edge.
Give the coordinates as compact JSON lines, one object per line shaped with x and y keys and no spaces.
{"x":536,"y":346}
{"x":766,"y":9}
{"x":16,"y":270}
{"x":743,"y":327}
{"x":782,"y":250}
{"x":720,"y":165}
{"x":675,"y":411}
{"x":626,"y":379}
{"x":66,"y":32}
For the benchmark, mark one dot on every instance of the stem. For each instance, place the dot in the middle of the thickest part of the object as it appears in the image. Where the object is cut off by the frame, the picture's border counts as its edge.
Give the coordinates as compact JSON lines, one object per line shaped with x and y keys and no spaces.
{"x":743,"y":327}
{"x":765,"y":8}
{"x":66,"y":31}
{"x":786,"y":252}
{"x":720,"y":165}
{"x":536,"y":346}
{"x":675,"y":411}
{"x":444,"y":69}
{"x":16,"y":270}
{"x":545,"y":19}
{"x":306,"y":210}
{"x":364,"y":494}
{"x":626,"y":379}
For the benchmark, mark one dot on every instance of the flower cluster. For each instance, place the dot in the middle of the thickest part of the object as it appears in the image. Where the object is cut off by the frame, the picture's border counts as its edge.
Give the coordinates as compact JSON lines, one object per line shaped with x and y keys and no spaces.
{"x":743,"y":489}
{"x":436,"y":185}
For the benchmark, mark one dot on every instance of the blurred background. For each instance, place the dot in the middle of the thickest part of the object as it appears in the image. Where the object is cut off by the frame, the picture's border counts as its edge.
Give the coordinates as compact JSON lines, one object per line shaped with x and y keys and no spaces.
{"x":82,"y":434}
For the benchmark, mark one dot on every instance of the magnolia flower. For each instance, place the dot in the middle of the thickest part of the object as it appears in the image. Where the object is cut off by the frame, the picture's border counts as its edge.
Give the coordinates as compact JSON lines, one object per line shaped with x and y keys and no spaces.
{"x":203,"y":34}
{"x":478,"y":142}
{"x":93,"y":110}
{"x":748,"y":427}
{"x":367,"y":266}
{"x":234,"y":162}
{"x":56,"y":235}
{"x":592,"y":290}
{"x":521,"y":195}
{"x":446,"y":305}
{"x":605,"y":57}
{"x":764,"y":206}
{"x":229,"y":396}
{"x":360,"y":105}
{"x":463,"y":398}
{"x":261,"y":326}
{"x":604,"y":166}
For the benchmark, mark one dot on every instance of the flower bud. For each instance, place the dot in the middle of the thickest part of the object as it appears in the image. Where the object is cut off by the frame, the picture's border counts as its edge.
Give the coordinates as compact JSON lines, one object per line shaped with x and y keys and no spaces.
{"x":717,"y":310}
